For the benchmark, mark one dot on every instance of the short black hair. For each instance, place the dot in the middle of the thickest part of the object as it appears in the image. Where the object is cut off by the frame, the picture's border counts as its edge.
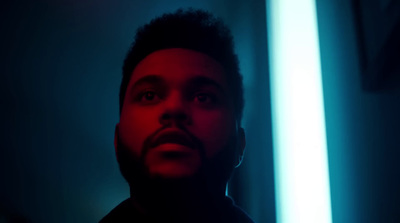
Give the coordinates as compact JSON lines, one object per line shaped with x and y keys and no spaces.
{"x":192,"y":29}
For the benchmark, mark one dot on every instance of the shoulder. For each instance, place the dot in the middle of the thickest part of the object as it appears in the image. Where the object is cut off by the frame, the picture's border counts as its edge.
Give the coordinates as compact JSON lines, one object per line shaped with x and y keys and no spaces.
{"x":236,"y":214}
{"x":124,"y":212}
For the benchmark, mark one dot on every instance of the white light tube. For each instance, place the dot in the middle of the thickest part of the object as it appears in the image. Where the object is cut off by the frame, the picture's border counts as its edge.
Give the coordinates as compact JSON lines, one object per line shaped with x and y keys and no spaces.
{"x":300,"y":151}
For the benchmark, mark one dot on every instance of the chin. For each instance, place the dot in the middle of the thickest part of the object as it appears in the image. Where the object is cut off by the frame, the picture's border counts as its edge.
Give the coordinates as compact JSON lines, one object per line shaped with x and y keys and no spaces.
{"x":142,"y":176}
{"x":172,"y":171}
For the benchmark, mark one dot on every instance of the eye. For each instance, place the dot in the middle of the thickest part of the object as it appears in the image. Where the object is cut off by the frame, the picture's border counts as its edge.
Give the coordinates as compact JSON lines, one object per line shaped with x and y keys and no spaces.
{"x":148,"y":96}
{"x":205,"y":98}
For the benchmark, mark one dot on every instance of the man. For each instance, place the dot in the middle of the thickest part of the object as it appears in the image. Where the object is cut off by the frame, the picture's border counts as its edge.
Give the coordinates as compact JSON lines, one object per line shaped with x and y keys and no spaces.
{"x":179,"y":137}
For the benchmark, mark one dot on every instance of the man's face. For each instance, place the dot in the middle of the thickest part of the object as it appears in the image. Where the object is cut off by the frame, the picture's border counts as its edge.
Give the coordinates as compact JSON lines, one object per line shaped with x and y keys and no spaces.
{"x":177,"y":113}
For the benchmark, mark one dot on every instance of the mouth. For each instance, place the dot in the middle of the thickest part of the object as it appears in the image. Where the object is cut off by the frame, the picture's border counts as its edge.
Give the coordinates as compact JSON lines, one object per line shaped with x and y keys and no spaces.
{"x":173,"y":153}
{"x":170,"y":138}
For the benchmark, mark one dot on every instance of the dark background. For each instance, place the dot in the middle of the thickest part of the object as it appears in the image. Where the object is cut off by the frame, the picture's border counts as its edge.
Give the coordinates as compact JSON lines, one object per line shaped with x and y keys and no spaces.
{"x":61,"y":69}
{"x":60,"y":73}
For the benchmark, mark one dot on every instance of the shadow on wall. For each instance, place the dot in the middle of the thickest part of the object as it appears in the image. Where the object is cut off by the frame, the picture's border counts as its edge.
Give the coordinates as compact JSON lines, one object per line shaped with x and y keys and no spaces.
{"x":9,"y":216}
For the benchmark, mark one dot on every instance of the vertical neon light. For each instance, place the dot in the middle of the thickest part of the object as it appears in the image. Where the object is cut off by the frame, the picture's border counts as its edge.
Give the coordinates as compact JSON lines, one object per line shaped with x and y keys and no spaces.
{"x":300,"y":151}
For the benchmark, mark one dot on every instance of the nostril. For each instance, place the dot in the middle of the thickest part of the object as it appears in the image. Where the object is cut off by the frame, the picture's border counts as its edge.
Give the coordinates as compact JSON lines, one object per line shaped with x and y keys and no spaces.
{"x":177,"y":117}
{"x":181,"y":116}
{"x":165,"y":116}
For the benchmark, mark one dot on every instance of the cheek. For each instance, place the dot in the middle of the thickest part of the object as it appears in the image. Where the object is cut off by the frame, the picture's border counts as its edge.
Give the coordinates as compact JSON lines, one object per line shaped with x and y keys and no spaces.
{"x":135,"y":126}
{"x":214,"y":130}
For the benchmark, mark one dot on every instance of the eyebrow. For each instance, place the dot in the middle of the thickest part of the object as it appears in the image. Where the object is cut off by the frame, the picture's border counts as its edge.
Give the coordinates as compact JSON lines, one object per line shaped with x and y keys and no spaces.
{"x":197,"y":81}
{"x":150,"y":79}
{"x":200,"y":81}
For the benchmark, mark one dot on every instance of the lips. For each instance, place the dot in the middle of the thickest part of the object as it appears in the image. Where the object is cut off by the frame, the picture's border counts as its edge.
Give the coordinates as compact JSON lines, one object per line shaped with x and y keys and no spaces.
{"x":173,"y":137}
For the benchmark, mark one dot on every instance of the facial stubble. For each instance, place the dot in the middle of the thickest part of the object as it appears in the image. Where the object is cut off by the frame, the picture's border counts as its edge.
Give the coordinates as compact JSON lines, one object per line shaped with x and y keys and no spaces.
{"x":210,"y":179}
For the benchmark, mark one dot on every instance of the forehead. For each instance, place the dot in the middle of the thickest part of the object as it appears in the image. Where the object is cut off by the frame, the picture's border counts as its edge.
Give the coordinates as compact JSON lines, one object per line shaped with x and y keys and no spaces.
{"x":177,"y":65}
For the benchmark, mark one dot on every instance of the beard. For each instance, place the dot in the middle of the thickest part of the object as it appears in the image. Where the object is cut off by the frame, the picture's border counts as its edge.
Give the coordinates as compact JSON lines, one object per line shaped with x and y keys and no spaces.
{"x":208,"y":182}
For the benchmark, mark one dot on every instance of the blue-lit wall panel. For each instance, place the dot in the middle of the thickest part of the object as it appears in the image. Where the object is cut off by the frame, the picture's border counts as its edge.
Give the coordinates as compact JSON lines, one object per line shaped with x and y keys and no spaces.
{"x":362,"y":126}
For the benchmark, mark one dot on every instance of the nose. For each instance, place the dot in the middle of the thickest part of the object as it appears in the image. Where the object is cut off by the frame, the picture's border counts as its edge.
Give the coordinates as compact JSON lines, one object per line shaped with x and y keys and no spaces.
{"x":175,"y":110}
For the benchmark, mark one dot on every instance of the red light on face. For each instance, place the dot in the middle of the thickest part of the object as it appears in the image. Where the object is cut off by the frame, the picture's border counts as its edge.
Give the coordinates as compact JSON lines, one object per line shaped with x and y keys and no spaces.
{"x":186,"y":93}
{"x":173,"y":160}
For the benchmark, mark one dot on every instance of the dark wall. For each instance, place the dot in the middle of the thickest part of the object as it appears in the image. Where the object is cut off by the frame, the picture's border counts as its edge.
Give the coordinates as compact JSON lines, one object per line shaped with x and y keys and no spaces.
{"x":362,"y":126}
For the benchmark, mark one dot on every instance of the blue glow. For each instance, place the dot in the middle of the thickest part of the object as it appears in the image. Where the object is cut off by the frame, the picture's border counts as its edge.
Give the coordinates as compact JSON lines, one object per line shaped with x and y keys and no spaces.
{"x":300,"y":151}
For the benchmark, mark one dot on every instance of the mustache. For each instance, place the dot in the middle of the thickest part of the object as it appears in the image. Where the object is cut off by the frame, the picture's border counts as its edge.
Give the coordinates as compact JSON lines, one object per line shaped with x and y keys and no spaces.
{"x":185,"y":138}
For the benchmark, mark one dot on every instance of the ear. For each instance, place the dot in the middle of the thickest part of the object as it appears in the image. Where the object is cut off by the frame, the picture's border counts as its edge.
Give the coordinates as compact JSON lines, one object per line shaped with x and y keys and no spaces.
{"x":116,"y":140}
{"x":241,"y":145}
